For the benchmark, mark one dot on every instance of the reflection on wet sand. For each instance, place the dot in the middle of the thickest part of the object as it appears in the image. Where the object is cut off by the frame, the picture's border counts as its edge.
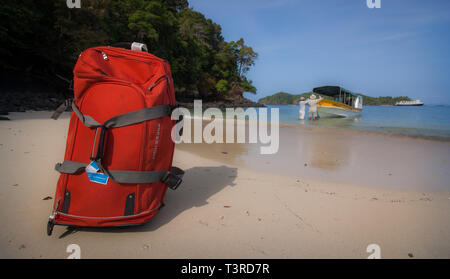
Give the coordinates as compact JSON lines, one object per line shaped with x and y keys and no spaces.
{"x":331,"y":122}
{"x":341,"y":156}
{"x":297,"y":149}
{"x":231,"y":153}
{"x":326,"y":154}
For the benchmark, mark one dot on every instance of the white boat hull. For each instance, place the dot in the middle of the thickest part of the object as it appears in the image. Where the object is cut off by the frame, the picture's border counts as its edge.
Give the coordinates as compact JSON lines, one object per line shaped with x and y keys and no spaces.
{"x":336,"y":112}
{"x":409,"y":105}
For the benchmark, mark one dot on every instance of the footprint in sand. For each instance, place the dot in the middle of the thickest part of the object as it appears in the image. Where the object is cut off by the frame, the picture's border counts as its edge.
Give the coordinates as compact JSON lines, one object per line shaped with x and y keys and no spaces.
{"x":396,"y":201}
{"x":203,"y":223}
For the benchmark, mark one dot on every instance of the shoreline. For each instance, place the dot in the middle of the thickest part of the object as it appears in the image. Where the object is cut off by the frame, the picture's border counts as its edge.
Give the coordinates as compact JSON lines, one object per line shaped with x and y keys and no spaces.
{"x":366,"y":157}
{"x":345,"y":130}
{"x":6,"y":117}
{"x":339,"y":156}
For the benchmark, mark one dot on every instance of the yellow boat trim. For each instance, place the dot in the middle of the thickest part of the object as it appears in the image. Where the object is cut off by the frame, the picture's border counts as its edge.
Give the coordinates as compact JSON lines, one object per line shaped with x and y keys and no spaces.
{"x":334,"y":104}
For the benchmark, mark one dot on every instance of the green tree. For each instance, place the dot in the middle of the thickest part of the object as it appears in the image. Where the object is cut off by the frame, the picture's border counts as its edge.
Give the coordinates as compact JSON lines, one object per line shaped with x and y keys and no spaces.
{"x":222,"y":86}
{"x":245,"y":57}
{"x":45,"y":38}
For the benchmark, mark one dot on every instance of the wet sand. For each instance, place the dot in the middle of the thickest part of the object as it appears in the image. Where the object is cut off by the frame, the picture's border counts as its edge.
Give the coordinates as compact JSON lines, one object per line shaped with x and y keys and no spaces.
{"x":236,"y":203}
{"x":344,"y":156}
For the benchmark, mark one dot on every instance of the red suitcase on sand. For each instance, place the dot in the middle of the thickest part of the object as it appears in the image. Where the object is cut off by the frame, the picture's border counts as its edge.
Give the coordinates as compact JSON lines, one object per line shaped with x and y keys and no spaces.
{"x":118,"y":160}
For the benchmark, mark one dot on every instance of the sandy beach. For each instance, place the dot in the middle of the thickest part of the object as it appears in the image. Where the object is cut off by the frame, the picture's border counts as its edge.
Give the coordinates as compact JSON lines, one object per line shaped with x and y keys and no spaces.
{"x":310,"y":200}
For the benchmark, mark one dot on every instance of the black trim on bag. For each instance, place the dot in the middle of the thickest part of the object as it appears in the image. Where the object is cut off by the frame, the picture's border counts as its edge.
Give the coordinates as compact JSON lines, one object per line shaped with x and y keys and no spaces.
{"x":66,"y":203}
{"x":129,"y":204}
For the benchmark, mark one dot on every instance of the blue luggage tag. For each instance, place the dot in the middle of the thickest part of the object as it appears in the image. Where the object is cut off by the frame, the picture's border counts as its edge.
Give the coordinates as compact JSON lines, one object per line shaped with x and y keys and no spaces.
{"x":92,"y":167}
{"x":95,"y":176}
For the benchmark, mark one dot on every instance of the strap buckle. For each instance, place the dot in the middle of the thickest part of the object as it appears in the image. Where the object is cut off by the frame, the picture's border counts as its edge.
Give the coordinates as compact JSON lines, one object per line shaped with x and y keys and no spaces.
{"x":171,"y":180}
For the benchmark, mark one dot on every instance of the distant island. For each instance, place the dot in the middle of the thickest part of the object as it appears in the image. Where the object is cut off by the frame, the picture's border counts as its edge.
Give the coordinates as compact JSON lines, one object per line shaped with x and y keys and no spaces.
{"x":283,"y":98}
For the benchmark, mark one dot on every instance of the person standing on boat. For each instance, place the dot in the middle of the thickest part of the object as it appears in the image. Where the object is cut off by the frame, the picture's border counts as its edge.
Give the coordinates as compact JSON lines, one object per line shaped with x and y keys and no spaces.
{"x":302,"y":105}
{"x":312,"y":102}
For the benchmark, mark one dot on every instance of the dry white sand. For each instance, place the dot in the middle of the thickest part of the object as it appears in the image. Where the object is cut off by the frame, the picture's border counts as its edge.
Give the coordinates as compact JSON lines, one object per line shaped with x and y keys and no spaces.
{"x":226,"y":208}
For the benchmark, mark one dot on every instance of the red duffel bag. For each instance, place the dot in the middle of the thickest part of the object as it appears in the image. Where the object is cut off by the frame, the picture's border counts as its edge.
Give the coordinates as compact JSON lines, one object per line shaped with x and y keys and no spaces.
{"x":118,"y":160}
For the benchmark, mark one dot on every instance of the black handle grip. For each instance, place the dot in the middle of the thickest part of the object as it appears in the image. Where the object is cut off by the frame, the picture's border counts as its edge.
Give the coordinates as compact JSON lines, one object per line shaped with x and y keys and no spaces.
{"x":132,"y":46}
{"x":101,"y":143}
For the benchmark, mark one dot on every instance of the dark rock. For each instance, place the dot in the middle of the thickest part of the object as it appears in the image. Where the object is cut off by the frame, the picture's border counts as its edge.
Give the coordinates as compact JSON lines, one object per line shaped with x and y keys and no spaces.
{"x":233,"y":102}
{"x":21,"y":92}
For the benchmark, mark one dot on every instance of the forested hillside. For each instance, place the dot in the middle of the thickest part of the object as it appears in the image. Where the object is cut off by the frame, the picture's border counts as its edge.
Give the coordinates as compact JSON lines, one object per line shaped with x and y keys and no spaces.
{"x":283,"y":98}
{"x":41,"y":40}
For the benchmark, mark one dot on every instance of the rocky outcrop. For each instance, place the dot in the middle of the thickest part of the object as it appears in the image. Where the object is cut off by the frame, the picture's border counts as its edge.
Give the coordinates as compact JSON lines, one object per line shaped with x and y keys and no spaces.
{"x":21,"y":101}
{"x":222,"y":103}
{"x":19,"y":93}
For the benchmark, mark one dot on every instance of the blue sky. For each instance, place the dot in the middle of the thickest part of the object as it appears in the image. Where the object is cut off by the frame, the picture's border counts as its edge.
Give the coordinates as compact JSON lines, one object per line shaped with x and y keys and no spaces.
{"x":403,"y":48}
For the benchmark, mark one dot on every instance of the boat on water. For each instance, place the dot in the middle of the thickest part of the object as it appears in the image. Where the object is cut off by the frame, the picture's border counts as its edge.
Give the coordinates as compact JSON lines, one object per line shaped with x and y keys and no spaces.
{"x":409,"y":103}
{"x":338,"y":102}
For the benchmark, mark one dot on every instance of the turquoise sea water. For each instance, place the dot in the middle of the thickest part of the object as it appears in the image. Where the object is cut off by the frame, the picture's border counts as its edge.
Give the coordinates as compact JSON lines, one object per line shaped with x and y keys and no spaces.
{"x":427,"y":120}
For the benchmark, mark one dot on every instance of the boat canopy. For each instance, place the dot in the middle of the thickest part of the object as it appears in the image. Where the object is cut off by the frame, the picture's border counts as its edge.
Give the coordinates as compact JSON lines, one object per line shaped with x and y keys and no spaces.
{"x":333,"y":91}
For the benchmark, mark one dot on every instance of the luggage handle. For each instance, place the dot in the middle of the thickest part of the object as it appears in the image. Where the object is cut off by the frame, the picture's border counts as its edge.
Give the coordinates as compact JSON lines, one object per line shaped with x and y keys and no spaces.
{"x":101,"y":144}
{"x":132,"y":46}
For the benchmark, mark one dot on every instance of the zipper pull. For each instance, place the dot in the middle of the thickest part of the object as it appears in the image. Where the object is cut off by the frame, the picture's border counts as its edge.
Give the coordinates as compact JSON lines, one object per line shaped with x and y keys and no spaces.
{"x":157,"y":81}
{"x":105,"y":57}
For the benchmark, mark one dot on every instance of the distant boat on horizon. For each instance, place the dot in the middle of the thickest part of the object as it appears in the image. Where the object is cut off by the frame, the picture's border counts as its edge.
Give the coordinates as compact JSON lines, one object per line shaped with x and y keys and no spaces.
{"x":409,"y":103}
